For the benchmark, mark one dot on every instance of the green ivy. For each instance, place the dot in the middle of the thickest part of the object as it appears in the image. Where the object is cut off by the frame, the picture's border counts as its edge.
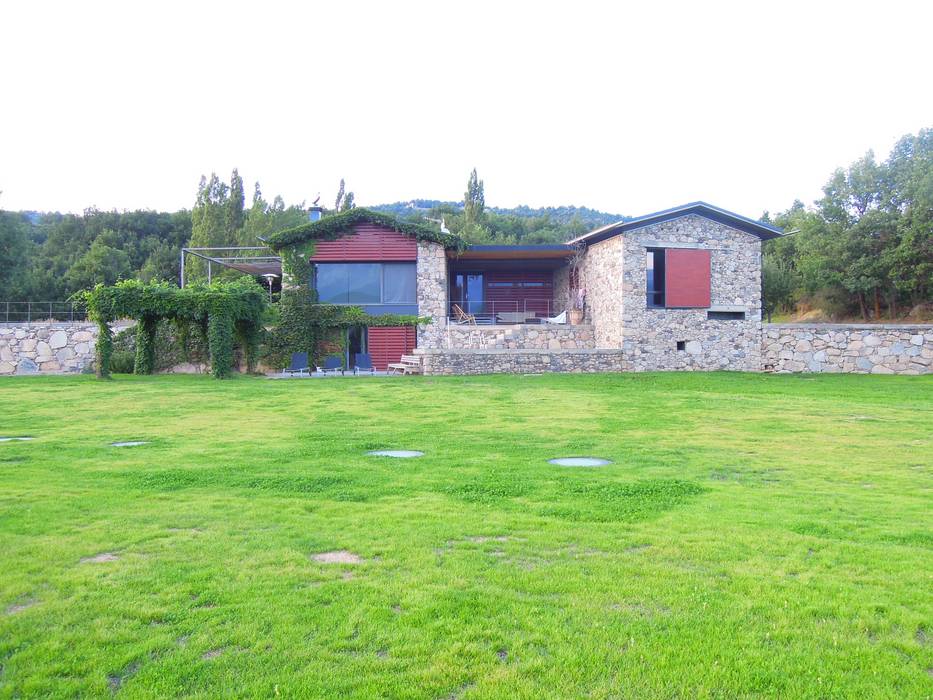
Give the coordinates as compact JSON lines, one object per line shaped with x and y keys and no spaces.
{"x":330,"y":228}
{"x":222,"y":312}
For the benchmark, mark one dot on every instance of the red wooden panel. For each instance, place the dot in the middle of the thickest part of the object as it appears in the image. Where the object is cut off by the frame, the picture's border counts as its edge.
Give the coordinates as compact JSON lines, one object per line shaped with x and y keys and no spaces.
{"x":368,"y":243}
{"x":387,"y":345}
{"x":519,"y":290}
{"x":686,"y":278}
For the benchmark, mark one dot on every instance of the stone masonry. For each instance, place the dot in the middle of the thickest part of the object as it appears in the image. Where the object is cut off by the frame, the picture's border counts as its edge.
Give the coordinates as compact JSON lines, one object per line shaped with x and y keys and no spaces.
{"x":651,"y":336}
{"x":865,"y":349}
{"x":47,"y":347}
{"x":501,"y":361}
{"x":431,"y":276}
{"x":520,"y":337}
{"x":602,"y":275}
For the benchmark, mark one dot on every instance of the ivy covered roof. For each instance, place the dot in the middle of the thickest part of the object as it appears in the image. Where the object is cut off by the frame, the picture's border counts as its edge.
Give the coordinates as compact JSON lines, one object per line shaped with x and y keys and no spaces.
{"x":335,"y":226}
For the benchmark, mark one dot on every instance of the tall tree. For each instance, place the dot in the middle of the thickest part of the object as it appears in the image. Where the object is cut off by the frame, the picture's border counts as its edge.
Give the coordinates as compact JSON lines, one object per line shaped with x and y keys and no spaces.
{"x":344,"y":200}
{"x":474,"y":200}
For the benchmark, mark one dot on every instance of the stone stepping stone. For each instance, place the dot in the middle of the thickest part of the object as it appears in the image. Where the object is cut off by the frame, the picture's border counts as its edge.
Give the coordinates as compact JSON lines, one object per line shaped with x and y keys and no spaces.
{"x":579,"y":462}
{"x":17,"y":438}
{"x":401,"y":454}
{"x":130,"y":443}
{"x":101,"y":558}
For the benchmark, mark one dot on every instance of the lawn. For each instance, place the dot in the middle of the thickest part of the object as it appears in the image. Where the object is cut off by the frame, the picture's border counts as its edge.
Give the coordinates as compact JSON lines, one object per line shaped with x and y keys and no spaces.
{"x":755,"y":536}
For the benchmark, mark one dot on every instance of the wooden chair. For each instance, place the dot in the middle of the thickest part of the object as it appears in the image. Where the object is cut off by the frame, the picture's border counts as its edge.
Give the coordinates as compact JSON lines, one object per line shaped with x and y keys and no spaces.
{"x":461,"y":316}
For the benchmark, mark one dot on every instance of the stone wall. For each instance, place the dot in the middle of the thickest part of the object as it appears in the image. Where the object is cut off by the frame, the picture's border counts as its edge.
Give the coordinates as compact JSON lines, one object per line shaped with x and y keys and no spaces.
{"x":432,"y":293}
{"x":520,"y":337}
{"x":601,"y":275}
{"x":49,"y":348}
{"x":497,"y":361}
{"x":561,"y":301}
{"x":864,"y":349}
{"x":651,"y":336}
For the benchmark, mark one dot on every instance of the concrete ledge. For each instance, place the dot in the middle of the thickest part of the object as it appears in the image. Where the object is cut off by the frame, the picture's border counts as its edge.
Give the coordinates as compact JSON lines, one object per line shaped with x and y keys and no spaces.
{"x":515,"y":351}
{"x":851,"y":326}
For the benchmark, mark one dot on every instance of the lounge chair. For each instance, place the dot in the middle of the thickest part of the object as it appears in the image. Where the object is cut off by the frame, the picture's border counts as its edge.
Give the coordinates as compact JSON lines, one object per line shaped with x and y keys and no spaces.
{"x":461,"y":316}
{"x":559,"y":318}
{"x":333,"y":364}
{"x":298,"y":366}
{"x":363,"y":363}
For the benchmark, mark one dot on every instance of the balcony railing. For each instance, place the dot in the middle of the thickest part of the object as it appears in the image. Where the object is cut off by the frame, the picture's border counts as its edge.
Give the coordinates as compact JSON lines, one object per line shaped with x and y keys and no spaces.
{"x":500,"y":312}
{"x":41,"y":311}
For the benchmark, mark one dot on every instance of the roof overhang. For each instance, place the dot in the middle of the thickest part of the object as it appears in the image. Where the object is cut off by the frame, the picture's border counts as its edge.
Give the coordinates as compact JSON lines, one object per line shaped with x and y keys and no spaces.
{"x":513,"y":252}
{"x":756,"y":228}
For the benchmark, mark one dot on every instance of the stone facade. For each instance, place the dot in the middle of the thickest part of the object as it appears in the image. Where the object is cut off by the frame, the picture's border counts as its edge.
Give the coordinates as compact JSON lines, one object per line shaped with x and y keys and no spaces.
{"x":431,"y":272}
{"x":440,"y":362}
{"x":47,"y":348}
{"x":651,"y":336}
{"x":601,"y":275}
{"x":864,"y":349}
{"x":520,"y":337}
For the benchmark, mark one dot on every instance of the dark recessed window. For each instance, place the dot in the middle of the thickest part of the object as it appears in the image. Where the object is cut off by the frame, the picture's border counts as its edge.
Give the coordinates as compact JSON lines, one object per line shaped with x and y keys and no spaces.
{"x":725,"y":315}
{"x":681,"y":344}
{"x":654,"y":267}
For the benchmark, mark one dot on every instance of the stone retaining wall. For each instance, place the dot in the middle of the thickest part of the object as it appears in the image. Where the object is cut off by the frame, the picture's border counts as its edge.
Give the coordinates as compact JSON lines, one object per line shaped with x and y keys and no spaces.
{"x":520,"y":337}
{"x":49,"y":348}
{"x":861,"y":349}
{"x":499,"y":361}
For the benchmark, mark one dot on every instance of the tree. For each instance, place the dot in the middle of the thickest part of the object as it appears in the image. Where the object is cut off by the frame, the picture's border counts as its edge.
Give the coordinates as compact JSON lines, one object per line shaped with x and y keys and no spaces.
{"x":15,"y":250}
{"x":344,"y":199}
{"x":474,"y":200}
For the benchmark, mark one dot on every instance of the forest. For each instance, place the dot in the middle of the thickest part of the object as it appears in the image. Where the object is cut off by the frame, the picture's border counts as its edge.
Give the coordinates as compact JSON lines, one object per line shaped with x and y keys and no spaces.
{"x":864,"y":250}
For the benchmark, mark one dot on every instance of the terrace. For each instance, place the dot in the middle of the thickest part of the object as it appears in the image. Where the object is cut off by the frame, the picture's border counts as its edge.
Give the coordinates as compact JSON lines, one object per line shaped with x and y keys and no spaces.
{"x":508,"y":285}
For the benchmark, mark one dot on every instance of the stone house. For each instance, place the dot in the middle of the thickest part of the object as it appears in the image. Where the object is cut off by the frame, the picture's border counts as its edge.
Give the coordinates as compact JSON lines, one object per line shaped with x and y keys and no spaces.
{"x":677,"y":289}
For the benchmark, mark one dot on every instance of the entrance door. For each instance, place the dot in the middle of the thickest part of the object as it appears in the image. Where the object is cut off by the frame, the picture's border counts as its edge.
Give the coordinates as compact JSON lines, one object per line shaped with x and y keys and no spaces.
{"x":356,"y":342}
{"x":469,"y":292}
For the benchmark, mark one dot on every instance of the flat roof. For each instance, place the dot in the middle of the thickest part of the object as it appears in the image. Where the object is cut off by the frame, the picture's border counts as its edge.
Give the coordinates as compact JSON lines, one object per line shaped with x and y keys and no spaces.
{"x":514,"y":252}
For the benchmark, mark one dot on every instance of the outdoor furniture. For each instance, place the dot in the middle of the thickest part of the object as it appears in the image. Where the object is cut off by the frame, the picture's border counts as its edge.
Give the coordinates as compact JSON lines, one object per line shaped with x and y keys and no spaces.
{"x":461,"y":316}
{"x":514,"y":316}
{"x":559,"y":318}
{"x":363,"y":363}
{"x":410,"y":364}
{"x":298,"y":366}
{"x":332,"y":364}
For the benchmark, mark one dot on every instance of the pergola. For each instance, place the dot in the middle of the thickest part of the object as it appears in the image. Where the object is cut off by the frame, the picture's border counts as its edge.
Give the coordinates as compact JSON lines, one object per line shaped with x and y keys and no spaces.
{"x":257,"y":261}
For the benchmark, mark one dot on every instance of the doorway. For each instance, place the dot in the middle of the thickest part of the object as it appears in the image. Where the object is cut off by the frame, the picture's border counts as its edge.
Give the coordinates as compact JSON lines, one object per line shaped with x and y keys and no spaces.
{"x":469,"y":292}
{"x":357,"y":342}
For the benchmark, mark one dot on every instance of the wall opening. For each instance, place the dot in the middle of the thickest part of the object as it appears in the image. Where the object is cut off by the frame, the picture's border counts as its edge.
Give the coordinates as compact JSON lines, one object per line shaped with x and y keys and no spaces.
{"x":725,"y":315}
{"x":682,"y":345}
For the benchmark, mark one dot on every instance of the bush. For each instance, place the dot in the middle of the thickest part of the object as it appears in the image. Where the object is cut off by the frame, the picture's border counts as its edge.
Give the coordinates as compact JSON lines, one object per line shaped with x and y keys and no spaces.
{"x":122,"y":361}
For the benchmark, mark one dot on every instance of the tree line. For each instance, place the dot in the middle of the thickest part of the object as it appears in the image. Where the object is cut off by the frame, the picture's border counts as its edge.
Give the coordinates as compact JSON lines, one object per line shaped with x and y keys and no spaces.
{"x":864,"y":249}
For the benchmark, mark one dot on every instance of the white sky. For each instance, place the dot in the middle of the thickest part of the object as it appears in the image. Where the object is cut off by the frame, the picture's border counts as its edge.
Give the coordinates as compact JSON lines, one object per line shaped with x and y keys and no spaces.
{"x":624,"y":107}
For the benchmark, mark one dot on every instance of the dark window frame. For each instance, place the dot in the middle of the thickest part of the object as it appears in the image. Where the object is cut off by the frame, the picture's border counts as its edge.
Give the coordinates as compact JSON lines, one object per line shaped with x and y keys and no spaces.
{"x":655,"y":282}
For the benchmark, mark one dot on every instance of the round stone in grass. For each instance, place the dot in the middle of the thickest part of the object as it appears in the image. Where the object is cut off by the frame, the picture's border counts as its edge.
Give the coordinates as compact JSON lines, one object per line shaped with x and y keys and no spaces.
{"x":130,"y":443}
{"x":19,"y":438}
{"x":402,"y":454}
{"x":579,"y":462}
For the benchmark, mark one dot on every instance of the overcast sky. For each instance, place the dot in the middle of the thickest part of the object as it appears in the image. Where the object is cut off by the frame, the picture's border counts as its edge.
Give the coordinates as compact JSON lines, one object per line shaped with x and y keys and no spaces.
{"x":624,"y":107}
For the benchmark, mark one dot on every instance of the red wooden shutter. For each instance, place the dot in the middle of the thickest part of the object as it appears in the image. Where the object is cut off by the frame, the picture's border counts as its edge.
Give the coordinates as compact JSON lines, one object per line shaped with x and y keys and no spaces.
{"x":686,"y":275}
{"x":387,"y":345}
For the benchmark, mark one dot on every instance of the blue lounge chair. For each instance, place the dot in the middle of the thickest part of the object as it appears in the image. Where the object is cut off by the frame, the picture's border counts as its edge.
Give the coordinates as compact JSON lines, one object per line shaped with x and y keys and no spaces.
{"x":363,"y":363}
{"x":332,"y":364}
{"x":298,"y":366}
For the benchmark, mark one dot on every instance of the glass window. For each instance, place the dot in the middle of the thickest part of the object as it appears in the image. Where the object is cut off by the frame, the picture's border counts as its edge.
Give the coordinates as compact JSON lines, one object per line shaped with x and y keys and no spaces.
{"x":365,"y":283}
{"x":399,"y":284}
{"x":654,"y":273}
{"x":331,"y":283}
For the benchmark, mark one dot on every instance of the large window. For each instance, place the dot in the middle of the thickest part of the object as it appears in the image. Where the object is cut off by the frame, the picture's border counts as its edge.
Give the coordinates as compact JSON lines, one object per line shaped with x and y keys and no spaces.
{"x":365,"y":283}
{"x":655,"y":273}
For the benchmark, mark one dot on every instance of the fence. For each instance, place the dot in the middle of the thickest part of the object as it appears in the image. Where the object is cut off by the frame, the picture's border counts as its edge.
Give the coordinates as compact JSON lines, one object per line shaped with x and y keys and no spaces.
{"x":41,"y":311}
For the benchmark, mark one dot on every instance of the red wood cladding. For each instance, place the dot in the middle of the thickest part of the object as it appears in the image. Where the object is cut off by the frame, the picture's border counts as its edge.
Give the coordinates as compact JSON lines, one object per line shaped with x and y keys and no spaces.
{"x":521,"y":290}
{"x":686,"y":274}
{"x":387,"y":345}
{"x":368,"y":243}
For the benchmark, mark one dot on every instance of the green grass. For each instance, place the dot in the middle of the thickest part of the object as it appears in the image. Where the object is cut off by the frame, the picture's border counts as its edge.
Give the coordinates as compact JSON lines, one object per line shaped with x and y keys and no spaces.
{"x":756,"y":536}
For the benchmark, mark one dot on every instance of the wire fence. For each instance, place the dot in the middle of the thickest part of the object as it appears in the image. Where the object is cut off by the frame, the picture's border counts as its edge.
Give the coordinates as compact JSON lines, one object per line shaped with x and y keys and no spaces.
{"x":41,"y":311}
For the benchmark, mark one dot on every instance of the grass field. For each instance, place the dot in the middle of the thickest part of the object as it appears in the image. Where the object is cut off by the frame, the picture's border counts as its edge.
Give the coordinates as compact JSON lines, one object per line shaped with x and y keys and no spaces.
{"x":756,"y":536}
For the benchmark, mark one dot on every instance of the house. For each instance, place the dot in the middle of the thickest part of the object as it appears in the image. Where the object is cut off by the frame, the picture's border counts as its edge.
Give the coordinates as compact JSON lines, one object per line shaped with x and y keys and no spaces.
{"x":679,"y":289}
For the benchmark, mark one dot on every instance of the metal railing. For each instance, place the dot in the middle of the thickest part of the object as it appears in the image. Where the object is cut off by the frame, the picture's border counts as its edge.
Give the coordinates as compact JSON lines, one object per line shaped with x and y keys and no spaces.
{"x":41,"y":311}
{"x":501,"y":312}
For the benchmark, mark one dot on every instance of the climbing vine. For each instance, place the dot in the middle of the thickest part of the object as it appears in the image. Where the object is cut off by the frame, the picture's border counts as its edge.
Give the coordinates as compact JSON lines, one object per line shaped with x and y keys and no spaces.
{"x":222,"y":311}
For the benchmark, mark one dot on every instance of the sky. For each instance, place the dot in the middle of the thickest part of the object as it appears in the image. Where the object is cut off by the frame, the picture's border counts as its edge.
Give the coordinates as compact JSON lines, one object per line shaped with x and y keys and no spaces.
{"x":624,"y":107}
